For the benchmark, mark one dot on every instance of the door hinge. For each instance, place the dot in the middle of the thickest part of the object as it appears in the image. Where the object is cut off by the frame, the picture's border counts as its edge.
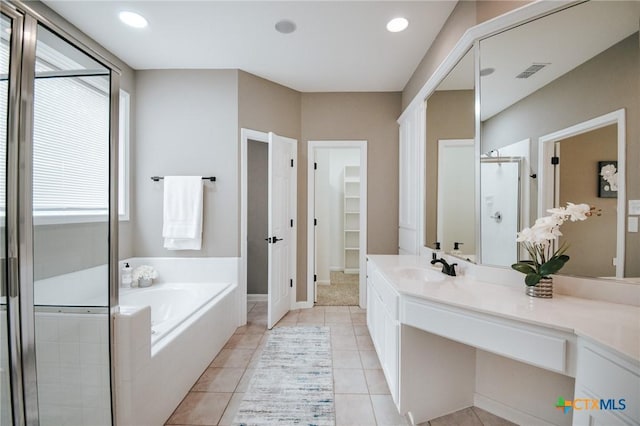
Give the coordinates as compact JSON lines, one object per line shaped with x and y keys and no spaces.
{"x":291,"y":283}
{"x":291,"y":223}
{"x":315,"y":222}
{"x":292,"y":162}
{"x":555,"y":160}
{"x":315,"y":166}
{"x":315,"y":278}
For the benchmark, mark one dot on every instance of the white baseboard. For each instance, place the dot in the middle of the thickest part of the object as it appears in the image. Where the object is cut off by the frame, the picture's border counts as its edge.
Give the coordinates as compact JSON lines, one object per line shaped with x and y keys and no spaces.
{"x":323,"y":282}
{"x":302,"y":305}
{"x":507,"y":412}
{"x":336,"y":268}
{"x":253,"y":298}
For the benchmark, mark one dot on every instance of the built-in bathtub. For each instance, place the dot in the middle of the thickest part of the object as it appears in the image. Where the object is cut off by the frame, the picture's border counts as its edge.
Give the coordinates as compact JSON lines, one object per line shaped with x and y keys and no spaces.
{"x":167,"y":334}
{"x":171,"y":304}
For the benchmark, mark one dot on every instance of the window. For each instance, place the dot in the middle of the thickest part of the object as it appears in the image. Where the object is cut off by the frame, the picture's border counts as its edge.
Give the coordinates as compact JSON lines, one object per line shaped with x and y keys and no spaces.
{"x":71,"y":136}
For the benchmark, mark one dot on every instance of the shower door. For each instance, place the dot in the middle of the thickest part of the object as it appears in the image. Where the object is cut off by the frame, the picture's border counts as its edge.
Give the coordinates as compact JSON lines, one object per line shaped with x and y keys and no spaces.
{"x":58,"y":201}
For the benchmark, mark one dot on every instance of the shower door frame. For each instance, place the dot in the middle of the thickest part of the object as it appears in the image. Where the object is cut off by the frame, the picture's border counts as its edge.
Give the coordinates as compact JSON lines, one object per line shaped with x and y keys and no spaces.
{"x":21,"y":333}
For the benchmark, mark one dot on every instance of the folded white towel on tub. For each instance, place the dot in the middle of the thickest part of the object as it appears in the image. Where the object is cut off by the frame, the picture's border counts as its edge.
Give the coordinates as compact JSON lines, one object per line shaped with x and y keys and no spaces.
{"x":182,"y":213}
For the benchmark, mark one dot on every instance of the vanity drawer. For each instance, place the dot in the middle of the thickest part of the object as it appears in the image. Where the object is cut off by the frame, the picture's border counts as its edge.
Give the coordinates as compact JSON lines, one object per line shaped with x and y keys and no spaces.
{"x":387,"y":294}
{"x":511,"y":339}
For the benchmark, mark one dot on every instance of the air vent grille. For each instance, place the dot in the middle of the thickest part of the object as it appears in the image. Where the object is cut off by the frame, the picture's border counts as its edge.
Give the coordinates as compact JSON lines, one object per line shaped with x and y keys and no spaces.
{"x":531,"y":70}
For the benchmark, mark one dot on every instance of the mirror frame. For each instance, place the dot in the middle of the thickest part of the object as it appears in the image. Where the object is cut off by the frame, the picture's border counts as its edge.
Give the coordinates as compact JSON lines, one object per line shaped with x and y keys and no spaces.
{"x":470,"y":40}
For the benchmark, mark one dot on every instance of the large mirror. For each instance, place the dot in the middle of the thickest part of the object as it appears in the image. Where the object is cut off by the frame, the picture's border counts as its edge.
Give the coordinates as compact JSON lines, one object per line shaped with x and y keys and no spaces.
{"x":450,"y":162}
{"x":559,"y":116}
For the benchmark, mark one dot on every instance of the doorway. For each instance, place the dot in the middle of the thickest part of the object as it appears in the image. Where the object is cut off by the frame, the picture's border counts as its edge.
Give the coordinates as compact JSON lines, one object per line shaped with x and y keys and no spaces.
{"x":337,"y":223}
{"x":268,"y":225}
{"x":568,"y":160}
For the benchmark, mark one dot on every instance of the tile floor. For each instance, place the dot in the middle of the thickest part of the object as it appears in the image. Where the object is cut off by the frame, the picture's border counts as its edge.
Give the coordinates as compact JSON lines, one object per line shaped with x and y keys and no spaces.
{"x":361,"y":393}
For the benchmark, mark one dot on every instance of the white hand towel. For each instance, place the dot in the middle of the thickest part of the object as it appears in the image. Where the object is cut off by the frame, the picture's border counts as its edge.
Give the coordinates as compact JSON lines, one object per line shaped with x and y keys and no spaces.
{"x":182,"y":213}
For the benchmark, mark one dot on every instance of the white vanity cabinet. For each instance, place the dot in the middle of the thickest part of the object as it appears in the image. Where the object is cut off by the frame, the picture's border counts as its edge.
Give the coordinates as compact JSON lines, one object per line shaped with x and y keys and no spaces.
{"x":605,"y":376}
{"x":382,"y":321}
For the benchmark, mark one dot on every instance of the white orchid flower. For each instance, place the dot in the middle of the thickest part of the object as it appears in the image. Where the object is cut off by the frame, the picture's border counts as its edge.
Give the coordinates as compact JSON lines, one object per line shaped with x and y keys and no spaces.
{"x":578,"y":211}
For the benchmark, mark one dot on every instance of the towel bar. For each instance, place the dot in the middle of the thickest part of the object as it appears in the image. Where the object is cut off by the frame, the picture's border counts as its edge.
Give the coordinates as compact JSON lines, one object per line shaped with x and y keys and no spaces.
{"x":209,"y":178}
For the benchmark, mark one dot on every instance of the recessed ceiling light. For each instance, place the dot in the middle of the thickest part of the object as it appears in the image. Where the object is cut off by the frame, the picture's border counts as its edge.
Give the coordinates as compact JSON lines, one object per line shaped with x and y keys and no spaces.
{"x":133,"y":19}
{"x":285,"y":26}
{"x":486,"y":71}
{"x":397,"y":24}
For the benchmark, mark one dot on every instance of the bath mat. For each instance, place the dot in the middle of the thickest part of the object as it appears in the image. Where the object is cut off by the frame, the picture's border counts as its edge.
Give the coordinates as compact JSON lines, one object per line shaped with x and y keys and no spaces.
{"x":293,"y":382}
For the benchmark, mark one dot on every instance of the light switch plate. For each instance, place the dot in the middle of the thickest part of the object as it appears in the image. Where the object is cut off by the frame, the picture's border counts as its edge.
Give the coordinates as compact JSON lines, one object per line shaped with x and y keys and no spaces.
{"x":634,"y":207}
{"x":633,"y":224}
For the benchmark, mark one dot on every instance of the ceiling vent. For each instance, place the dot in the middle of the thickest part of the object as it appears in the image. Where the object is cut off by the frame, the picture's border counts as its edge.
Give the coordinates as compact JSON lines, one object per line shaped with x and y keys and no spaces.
{"x":531,"y":70}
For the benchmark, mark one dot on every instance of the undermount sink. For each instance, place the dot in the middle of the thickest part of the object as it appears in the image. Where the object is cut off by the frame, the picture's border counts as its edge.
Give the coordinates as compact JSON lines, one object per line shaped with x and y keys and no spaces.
{"x":415,"y":273}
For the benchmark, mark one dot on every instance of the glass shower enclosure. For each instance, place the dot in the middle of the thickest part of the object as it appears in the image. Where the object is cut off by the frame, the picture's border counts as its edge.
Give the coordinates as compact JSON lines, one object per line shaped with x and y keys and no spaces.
{"x":58,"y":177}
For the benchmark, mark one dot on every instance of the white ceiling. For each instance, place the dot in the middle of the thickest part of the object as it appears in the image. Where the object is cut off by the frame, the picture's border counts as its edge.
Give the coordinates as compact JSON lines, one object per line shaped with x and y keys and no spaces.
{"x":338,"y":46}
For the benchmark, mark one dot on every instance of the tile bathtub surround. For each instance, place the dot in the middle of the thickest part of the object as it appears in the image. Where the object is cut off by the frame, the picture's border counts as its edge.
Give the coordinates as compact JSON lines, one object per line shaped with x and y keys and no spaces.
{"x":361,"y":394}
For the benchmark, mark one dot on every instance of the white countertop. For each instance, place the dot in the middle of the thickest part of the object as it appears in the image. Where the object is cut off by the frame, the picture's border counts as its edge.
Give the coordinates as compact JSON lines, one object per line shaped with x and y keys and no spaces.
{"x":615,"y":326}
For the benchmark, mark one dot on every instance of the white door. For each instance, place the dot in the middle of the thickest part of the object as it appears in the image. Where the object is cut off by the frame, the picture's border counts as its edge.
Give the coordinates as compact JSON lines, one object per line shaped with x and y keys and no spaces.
{"x":282,"y":157}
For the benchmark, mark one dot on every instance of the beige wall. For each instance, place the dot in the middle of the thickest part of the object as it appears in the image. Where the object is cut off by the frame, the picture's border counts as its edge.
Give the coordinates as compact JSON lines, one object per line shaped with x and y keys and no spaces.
{"x":605,"y":83}
{"x":579,"y":182}
{"x":257,"y":217}
{"x":187,"y":125}
{"x":465,"y":15}
{"x":355,"y":116}
{"x":450,"y":115}
{"x":60,"y":249}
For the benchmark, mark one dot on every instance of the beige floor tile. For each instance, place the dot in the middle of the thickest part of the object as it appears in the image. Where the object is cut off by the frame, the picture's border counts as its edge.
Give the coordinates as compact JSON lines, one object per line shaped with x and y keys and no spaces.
{"x":230,"y":411}
{"x":489,"y":419}
{"x":364,"y":343}
{"x":464,"y":417}
{"x":256,"y":327}
{"x":255,"y":358}
{"x":358,"y":318}
{"x":376,"y":382}
{"x":344,"y":343}
{"x":337,"y":318}
{"x":218,"y":380}
{"x":230,"y":358}
{"x":316,"y":309}
{"x":370,"y":360}
{"x":244,"y":381}
{"x":353,"y":410}
{"x":341,"y":329}
{"x":243,"y":341}
{"x":361,"y":330}
{"x":356,"y":309}
{"x":310,"y":322}
{"x":200,"y":408}
{"x":337,"y":309}
{"x":250,"y":306}
{"x":346,"y":359}
{"x":349,"y":381}
{"x":386,"y":412}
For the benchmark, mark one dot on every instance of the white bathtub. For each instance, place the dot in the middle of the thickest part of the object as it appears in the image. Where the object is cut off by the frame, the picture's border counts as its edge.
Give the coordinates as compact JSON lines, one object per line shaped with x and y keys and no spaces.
{"x":171,"y":303}
{"x":167,"y":334}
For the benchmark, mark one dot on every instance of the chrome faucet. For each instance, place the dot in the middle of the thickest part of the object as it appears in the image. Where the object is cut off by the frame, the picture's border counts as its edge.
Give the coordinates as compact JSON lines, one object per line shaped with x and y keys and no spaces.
{"x":446,"y":268}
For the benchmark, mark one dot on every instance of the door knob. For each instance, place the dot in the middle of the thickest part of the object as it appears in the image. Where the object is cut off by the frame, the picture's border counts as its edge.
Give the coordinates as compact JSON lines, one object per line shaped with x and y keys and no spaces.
{"x":275,"y":239}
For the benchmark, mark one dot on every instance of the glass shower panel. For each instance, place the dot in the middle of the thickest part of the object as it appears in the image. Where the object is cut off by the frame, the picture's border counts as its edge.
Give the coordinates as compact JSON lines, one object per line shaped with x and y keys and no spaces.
{"x":70,"y":233}
{"x":5,"y":389}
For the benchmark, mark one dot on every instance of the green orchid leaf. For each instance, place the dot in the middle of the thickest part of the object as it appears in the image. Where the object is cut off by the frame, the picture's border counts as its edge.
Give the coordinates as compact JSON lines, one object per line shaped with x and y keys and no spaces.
{"x":524,"y":268}
{"x":528,"y":262}
{"x":532,"y":279}
{"x":553,"y":265}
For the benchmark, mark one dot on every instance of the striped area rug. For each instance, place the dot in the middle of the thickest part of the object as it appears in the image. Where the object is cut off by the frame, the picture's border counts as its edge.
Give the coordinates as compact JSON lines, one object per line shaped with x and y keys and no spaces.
{"x":293,"y":383}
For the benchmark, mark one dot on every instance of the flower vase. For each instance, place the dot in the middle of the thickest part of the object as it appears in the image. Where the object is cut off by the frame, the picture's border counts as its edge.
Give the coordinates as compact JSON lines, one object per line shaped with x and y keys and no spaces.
{"x":145,"y":282}
{"x":543,"y":289}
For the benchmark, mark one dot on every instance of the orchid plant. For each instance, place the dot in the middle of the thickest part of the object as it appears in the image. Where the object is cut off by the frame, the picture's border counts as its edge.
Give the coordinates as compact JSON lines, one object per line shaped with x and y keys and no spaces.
{"x":144,"y":272}
{"x":538,"y":241}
